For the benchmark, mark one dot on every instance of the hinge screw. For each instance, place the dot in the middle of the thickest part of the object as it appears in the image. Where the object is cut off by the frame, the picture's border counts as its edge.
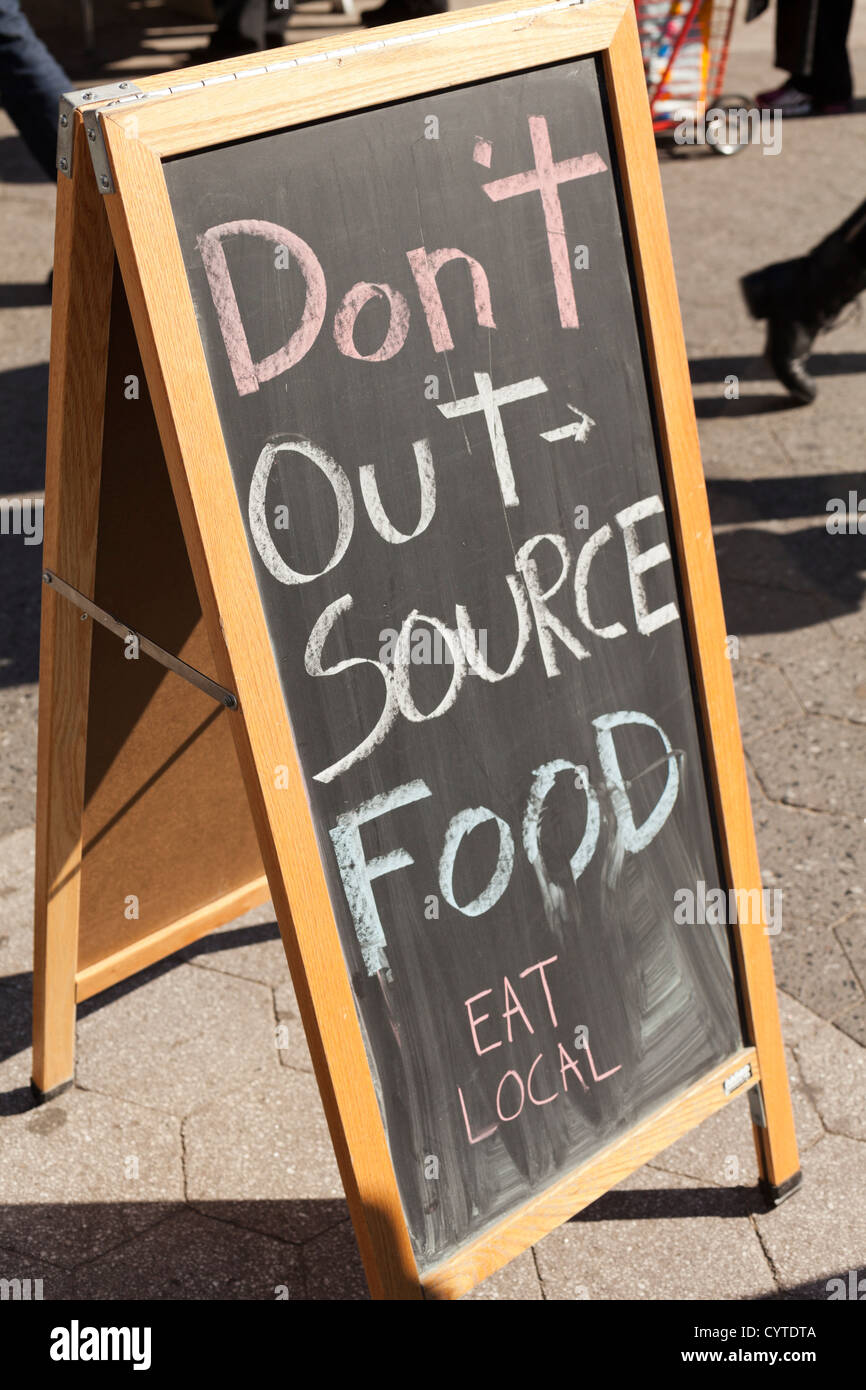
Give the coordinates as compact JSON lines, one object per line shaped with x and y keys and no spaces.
{"x":64,"y":120}
{"x":91,"y":134}
{"x":63,"y":164}
{"x":105,"y":181}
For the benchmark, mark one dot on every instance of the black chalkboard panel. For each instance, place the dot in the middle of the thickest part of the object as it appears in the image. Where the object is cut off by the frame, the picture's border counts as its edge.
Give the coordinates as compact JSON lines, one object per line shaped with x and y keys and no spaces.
{"x":426,"y":355}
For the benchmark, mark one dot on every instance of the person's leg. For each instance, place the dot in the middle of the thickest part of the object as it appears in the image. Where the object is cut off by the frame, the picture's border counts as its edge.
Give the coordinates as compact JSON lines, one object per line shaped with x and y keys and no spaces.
{"x":830,"y":77}
{"x":31,"y":83}
{"x":240,"y":27}
{"x":802,"y":297}
{"x":395,"y":11}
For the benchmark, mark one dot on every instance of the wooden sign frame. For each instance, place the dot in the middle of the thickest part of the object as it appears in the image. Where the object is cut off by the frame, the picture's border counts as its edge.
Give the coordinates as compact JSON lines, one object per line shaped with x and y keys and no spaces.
{"x":314,"y":82}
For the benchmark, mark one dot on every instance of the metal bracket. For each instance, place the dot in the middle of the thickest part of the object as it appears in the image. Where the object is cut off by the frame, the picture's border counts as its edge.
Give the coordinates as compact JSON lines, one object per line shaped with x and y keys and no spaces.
{"x":144,"y":644}
{"x":756,"y":1106}
{"x":70,"y":102}
{"x":737,"y":1079}
{"x":98,"y":152}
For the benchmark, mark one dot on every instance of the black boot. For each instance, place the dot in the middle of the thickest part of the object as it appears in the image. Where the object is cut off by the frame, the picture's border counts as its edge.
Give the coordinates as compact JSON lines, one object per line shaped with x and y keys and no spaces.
{"x":802,"y":298}
{"x":395,"y":11}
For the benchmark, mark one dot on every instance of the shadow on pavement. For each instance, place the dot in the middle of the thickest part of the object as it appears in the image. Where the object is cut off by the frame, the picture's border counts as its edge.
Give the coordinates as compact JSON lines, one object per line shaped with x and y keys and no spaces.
{"x":23,"y":410}
{"x":825,"y":569}
{"x":17,"y":164}
{"x":713,"y":370}
{"x":16,"y":1013}
{"x":651,"y":1204}
{"x":175,"y":1250}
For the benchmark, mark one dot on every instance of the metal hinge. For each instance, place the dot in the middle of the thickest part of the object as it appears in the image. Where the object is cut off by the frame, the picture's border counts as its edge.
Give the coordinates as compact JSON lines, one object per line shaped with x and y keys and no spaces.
{"x":120,"y":93}
{"x":70,"y":102}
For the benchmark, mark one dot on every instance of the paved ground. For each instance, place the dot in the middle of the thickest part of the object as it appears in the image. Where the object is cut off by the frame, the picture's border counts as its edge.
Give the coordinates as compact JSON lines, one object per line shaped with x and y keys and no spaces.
{"x":191,"y":1160}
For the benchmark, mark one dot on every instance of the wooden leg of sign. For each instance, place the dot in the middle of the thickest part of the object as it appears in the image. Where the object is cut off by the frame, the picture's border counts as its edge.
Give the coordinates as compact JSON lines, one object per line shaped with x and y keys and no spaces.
{"x":772,"y":1115}
{"x":138,"y":788}
{"x":79,"y":350}
{"x":774,"y":1136}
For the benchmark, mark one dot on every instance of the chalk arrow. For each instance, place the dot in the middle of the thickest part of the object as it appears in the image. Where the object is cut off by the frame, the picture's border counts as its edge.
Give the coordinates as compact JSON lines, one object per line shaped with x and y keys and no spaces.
{"x":578,"y":429}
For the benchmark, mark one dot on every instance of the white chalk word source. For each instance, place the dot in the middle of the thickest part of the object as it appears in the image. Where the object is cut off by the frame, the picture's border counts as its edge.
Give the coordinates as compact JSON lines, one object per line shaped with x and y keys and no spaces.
{"x":533,"y":618}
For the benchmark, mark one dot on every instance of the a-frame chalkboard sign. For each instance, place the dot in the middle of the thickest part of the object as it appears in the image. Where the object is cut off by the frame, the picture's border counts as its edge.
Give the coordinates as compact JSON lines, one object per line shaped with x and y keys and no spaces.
{"x":370,"y":403}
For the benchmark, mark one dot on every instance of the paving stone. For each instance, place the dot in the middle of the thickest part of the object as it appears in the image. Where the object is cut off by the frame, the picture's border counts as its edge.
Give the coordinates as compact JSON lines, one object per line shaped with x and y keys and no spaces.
{"x":853,"y":1022}
{"x":851,"y":935}
{"x":800,"y":558}
{"x":265,"y":1154}
{"x":16,"y":1022}
{"x":721,"y":1151}
{"x":817,"y":861}
{"x":70,"y":1189}
{"x":190,"y":1256}
{"x":774,"y":625}
{"x":765,"y":698}
{"x":657,"y":1236}
{"x":816,"y":763}
{"x":821,"y":1230}
{"x":809,"y":962}
{"x":833,"y":1068}
{"x":830,"y":679}
{"x":797,"y":1021}
{"x":47,"y":1282}
{"x":17,"y":853}
{"x":517,"y":1282}
{"x":178,"y":1040}
{"x":249,"y":947}
{"x":841,"y":691}
{"x":332,"y":1266}
{"x":756,"y":791}
{"x":775,"y":556}
{"x":291,"y":1039}
{"x":850,"y":626}
{"x":18,"y":703}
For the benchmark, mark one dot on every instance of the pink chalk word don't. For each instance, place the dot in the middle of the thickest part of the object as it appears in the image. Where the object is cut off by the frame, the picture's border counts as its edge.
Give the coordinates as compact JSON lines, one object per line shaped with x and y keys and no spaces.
{"x":544,"y":179}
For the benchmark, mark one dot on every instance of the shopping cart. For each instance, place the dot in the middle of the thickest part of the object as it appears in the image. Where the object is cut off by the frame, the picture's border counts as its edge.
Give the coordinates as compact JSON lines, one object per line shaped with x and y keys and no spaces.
{"x":685,"y":50}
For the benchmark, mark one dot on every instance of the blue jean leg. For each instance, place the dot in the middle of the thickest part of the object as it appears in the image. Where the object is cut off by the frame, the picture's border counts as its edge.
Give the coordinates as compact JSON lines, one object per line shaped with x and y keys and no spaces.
{"x":30,"y":84}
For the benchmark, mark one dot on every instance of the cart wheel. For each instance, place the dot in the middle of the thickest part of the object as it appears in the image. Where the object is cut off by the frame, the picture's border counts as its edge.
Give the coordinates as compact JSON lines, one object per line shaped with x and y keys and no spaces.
{"x":730,"y":103}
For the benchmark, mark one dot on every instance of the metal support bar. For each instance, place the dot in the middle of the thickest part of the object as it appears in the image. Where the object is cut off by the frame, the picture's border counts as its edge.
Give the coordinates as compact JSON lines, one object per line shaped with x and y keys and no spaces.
{"x":144,"y":644}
